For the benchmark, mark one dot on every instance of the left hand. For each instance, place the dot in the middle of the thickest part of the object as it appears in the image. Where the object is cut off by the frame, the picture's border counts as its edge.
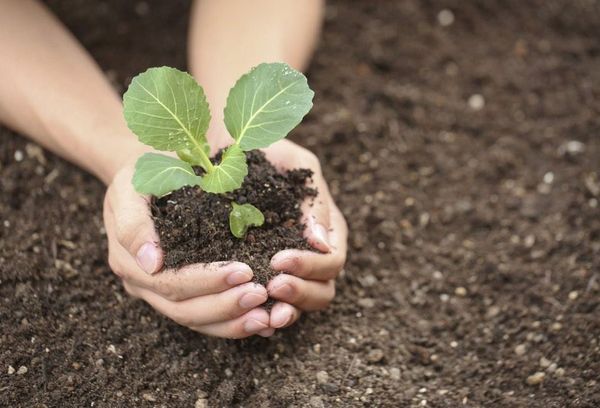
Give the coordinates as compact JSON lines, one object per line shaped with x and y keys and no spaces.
{"x":216,"y":299}
{"x":308,"y":279}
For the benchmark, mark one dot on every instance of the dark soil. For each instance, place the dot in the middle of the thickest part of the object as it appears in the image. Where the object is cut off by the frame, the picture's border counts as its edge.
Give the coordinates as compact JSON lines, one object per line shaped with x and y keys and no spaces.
{"x":475,"y":234}
{"x":193,"y":226}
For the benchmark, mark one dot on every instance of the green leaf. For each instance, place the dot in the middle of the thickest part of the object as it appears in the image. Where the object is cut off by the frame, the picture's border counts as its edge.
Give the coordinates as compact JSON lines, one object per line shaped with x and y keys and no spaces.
{"x":229,"y":174}
{"x":158,"y":174}
{"x":167,"y":110}
{"x":266,"y":104}
{"x":242,"y":217}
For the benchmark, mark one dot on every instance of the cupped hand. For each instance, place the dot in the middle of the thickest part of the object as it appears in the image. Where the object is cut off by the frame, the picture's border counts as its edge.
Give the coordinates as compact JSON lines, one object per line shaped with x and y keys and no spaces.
{"x":308,"y":279}
{"x":216,"y":299}
{"x":219,"y":299}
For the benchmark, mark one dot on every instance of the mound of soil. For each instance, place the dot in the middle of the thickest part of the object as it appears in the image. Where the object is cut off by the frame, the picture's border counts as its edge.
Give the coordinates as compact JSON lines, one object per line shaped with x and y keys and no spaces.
{"x":193,"y":226}
{"x":465,"y":156}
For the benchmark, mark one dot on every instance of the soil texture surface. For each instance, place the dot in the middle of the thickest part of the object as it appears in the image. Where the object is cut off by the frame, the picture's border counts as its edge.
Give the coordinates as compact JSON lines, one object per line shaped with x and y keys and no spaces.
{"x":461,"y":139}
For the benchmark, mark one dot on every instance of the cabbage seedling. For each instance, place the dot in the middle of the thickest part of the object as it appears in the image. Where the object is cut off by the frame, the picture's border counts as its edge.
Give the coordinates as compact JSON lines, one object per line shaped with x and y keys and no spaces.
{"x":168,"y":111}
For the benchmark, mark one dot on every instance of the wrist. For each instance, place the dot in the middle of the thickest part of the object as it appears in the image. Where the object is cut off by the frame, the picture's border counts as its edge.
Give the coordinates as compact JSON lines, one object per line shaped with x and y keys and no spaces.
{"x":111,"y":148}
{"x":117,"y":155}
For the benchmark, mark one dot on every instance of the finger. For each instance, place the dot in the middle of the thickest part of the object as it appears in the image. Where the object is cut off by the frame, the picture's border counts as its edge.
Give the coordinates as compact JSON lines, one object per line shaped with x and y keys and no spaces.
{"x":283,"y":315}
{"x":305,"y":294}
{"x":256,"y":321}
{"x":184,"y":283}
{"x":267,"y":332}
{"x":311,"y":265}
{"x":187,"y":282}
{"x":315,"y":211}
{"x":316,"y":214}
{"x":208,"y":309}
{"x":133,"y":224}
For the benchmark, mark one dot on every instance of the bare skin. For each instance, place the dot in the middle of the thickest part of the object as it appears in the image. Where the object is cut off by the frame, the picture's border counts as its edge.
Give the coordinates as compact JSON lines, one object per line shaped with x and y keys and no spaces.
{"x":52,"y":75}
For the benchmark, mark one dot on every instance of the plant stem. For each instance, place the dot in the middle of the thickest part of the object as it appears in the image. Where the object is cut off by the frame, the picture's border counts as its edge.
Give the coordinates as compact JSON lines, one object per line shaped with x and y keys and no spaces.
{"x":206,"y":163}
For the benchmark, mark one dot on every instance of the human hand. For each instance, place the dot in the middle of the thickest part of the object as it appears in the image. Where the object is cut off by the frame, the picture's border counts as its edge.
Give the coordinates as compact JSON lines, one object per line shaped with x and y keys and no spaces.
{"x":216,"y":299}
{"x":308,"y":281}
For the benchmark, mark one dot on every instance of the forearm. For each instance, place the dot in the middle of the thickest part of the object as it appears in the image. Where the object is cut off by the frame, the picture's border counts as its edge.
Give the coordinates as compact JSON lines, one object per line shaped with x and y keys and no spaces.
{"x":229,"y":37}
{"x":53,"y":92}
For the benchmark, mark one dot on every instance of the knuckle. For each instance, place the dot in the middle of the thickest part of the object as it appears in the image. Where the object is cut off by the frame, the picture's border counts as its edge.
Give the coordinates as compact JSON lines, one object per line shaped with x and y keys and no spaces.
{"x":232,"y":312}
{"x":120,"y":231}
{"x":179,"y":316}
{"x":328,"y":272}
{"x":236,"y":333}
{"x":338,"y":269}
{"x":297,"y":315}
{"x":344,"y":225}
{"x":297,"y":266}
{"x":109,"y":192}
{"x":238,"y":336}
{"x":129,"y":289}
{"x":299,"y":296}
{"x":115,"y":266}
{"x":331,"y":292}
{"x":312,"y":160}
{"x":339,"y":264}
{"x":128,"y":232}
{"x":124,"y":233}
{"x":327,"y":296}
{"x":312,"y":270}
{"x":106,"y":205}
{"x":112,"y":263}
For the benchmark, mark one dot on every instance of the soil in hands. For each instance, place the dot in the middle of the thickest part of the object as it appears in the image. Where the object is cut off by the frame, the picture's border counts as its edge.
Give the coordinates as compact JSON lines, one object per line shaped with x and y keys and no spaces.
{"x":193,"y":225}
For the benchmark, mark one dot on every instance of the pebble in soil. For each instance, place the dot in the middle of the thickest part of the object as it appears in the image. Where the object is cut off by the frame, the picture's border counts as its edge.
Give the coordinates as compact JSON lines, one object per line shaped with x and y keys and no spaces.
{"x":193,"y":226}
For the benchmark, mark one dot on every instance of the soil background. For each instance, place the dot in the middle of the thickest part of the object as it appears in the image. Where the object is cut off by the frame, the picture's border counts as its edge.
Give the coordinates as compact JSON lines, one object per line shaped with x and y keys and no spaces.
{"x":475,"y":233}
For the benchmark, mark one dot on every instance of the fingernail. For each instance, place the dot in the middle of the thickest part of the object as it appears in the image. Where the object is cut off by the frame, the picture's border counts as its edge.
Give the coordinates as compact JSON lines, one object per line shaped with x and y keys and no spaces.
{"x":252,"y":300}
{"x":147,"y":257}
{"x":280,"y":318}
{"x":254,"y":326}
{"x":321,"y":237}
{"x":238,"y":277}
{"x":282,"y":292}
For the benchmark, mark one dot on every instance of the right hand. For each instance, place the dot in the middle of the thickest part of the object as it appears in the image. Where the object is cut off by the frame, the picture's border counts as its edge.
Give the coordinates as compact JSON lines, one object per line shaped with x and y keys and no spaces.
{"x":216,"y":299}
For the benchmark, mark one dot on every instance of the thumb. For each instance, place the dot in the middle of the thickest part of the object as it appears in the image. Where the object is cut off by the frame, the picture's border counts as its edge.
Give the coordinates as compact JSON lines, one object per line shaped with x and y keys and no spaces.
{"x":316,"y":215}
{"x":133,"y":224}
